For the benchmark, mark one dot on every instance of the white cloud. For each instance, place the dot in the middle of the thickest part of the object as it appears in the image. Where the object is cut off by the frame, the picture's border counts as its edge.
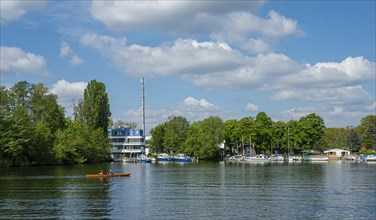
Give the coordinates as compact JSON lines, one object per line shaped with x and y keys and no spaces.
{"x":183,"y":57}
{"x":352,"y":70}
{"x":15,"y":61}
{"x":193,"y":104}
{"x":349,"y":95}
{"x":14,"y":9}
{"x":68,"y":93}
{"x":167,"y":15}
{"x":251,"y":107}
{"x":65,"y":49}
{"x":230,"y":21}
{"x":190,"y":108}
{"x":216,"y":65}
{"x":333,"y":115}
{"x":75,"y":60}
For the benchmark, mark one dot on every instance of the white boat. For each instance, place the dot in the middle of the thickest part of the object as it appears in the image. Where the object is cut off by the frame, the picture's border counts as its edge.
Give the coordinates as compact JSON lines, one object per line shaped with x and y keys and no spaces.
{"x":277,"y":158}
{"x":352,"y":157}
{"x":163,"y":157}
{"x":181,"y":158}
{"x":236,"y":158}
{"x":371,"y":158}
{"x":256,"y":158}
{"x":144,"y":159}
{"x":315,"y":158}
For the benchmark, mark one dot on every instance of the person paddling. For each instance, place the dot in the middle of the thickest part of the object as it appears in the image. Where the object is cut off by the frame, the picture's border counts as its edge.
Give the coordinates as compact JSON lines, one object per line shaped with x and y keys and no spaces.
{"x":101,"y":173}
{"x":110,"y":172}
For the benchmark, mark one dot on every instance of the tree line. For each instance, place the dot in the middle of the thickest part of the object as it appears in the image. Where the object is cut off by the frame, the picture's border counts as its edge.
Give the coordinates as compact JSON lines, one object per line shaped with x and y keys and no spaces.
{"x":35,"y":131}
{"x":202,"y":139}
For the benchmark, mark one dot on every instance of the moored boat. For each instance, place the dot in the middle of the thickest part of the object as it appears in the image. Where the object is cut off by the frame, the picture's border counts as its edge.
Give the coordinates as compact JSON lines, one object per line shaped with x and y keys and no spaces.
{"x":277,"y":158}
{"x":144,"y":159}
{"x":236,"y":158}
{"x":108,"y":175}
{"x":163,"y":157}
{"x":256,"y":158}
{"x":315,"y":158}
{"x":181,"y":158}
{"x":371,"y":158}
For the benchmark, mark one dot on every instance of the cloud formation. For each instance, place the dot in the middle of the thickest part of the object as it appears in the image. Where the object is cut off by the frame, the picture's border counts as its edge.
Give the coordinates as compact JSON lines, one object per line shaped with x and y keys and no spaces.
{"x":68,"y":93}
{"x":15,"y":61}
{"x":13,"y":10}
{"x":232,"y":22}
{"x":251,"y":107}
{"x":67,"y":51}
{"x":191,"y":108}
{"x":214,"y":65}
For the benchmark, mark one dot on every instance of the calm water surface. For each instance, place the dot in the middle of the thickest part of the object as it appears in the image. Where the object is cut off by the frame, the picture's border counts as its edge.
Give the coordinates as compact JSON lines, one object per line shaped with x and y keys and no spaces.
{"x":204,"y":190}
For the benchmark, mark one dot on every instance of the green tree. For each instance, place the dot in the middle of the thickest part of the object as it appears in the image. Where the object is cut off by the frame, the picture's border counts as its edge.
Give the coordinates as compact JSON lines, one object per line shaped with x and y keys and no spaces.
{"x":311,"y":129}
{"x":176,"y":132}
{"x":70,"y":146}
{"x":20,"y":93}
{"x":44,"y":106}
{"x":194,"y":140}
{"x":335,"y":138}
{"x":293,"y":132}
{"x":354,"y":140}
{"x":245,"y":132}
{"x":204,"y":138}
{"x":98,"y":147}
{"x":367,"y":128}
{"x":157,"y":139}
{"x":95,"y":106}
{"x":120,"y":123}
{"x":41,"y":148}
{"x":230,"y":131}
{"x":263,"y":130}
{"x":279,"y":134}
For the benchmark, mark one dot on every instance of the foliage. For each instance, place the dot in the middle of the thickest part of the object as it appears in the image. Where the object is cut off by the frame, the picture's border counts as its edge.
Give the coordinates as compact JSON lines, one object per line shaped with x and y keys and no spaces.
{"x":311,"y":129}
{"x":354,"y":141}
{"x":120,"y":123}
{"x":263,"y":125}
{"x":175,"y":134}
{"x":34,"y":130}
{"x":94,"y":109}
{"x":367,"y":130}
{"x":335,"y":138}
{"x":205,"y":137}
{"x":157,"y":140}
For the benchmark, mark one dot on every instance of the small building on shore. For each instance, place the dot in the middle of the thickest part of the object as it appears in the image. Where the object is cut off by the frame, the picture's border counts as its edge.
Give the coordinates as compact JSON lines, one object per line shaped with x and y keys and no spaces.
{"x":337,"y":153}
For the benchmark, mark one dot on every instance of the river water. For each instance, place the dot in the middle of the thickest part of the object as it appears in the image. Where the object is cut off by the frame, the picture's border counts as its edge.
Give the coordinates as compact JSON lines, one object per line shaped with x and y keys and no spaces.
{"x":204,"y":190}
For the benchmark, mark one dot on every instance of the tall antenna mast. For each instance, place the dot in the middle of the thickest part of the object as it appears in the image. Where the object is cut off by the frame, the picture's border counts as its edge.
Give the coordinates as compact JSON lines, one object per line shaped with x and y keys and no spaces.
{"x":143,"y":106}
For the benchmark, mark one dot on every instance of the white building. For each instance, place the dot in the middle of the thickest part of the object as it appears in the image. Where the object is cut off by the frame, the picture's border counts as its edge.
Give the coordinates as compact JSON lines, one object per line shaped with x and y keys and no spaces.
{"x":337,"y":153}
{"x":126,"y":143}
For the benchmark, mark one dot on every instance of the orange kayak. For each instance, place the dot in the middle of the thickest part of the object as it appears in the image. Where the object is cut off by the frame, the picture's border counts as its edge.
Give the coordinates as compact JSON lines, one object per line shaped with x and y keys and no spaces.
{"x":107,"y":175}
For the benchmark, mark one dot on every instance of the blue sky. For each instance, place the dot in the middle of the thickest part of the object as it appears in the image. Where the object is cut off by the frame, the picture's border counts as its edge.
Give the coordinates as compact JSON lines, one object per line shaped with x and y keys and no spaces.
{"x":199,"y":58}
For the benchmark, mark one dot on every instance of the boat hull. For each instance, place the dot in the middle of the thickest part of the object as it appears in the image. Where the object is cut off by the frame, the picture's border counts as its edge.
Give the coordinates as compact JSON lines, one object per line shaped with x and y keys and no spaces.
{"x":106,"y":175}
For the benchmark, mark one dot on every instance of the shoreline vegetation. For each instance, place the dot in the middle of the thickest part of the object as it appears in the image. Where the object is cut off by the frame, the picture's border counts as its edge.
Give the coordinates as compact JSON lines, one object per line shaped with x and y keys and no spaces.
{"x":34,"y":131}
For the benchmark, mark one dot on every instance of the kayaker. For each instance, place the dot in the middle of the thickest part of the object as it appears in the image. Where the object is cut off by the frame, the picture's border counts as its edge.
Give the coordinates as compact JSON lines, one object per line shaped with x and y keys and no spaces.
{"x":101,"y":173}
{"x":110,"y":172}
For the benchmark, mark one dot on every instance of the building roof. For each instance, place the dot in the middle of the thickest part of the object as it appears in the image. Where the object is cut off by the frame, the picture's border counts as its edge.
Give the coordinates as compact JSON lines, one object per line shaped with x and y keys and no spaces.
{"x":336,"y":150}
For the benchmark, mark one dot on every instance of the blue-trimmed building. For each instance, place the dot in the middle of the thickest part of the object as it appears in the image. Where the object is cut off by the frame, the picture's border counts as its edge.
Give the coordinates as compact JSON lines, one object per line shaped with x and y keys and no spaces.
{"x":126,"y":143}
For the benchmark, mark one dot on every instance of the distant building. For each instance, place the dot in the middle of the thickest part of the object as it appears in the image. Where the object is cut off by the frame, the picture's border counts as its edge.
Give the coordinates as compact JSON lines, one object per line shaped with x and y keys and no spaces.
{"x":126,"y":143}
{"x":337,"y":153}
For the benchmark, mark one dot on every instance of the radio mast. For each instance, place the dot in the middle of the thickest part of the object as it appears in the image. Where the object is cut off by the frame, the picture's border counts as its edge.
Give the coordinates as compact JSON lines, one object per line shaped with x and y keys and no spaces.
{"x":143,"y":107}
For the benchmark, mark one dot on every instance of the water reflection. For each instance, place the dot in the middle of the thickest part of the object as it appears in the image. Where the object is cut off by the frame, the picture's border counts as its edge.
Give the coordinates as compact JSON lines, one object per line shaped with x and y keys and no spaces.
{"x":205,"y":190}
{"x":48,"y":191}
